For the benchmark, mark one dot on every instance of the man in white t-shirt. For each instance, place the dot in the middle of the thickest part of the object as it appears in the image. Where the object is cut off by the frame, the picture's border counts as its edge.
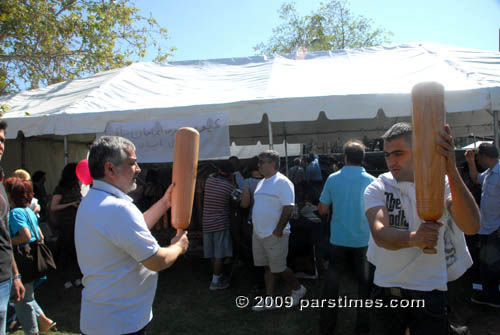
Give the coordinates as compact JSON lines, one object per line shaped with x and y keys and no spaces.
{"x":273,"y":207}
{"x":409,"y":254}
{"x":117,"y":254}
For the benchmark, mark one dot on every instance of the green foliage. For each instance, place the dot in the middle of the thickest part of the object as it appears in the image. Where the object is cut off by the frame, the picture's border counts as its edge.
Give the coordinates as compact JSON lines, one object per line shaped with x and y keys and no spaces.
{"x":3,"y":109}
{"x":47,"y":41}
{"x":332,"y":26}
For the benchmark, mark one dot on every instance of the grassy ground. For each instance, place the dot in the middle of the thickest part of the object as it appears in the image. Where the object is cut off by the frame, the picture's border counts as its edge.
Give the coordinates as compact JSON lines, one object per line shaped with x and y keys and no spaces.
{"x":184,"y":305}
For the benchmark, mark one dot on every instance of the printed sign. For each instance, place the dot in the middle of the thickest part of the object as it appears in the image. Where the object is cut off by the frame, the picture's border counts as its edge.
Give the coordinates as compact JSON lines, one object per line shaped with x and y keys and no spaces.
{"x":154,"y":139}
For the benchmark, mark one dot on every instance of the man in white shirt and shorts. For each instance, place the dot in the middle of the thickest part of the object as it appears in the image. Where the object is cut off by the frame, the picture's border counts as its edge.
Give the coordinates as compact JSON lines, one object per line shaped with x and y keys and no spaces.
{"x":272,"y":209}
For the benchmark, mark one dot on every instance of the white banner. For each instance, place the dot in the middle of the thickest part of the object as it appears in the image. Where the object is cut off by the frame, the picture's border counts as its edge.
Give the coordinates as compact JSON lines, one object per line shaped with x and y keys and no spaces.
{"x":154,"y":139}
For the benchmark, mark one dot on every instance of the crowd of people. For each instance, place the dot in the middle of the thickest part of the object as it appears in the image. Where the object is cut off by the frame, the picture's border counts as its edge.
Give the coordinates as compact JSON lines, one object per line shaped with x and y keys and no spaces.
{"x":105,"y":241}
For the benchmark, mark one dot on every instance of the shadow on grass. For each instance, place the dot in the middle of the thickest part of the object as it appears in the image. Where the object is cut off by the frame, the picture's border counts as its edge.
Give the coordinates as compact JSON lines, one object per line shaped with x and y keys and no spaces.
{"x":184,"y":305}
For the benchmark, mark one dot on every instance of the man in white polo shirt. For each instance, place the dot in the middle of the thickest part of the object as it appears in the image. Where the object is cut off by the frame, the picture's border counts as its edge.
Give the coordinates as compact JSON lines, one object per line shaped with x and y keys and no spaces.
{"x":273,"y":207}
{"x":117,"y":254}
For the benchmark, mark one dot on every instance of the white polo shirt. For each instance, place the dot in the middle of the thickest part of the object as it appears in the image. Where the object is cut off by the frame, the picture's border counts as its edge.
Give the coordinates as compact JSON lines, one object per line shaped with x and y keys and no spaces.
{"x":112,"y":239}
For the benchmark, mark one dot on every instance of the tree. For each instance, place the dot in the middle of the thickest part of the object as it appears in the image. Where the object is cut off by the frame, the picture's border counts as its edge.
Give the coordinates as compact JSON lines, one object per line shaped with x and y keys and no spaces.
{"x":330,"y":27}
{"x":47,"y":41}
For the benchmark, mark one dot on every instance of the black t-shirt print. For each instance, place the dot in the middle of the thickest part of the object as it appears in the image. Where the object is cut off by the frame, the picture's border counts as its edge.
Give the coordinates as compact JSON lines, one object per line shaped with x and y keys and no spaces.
{"x":397,"y":216}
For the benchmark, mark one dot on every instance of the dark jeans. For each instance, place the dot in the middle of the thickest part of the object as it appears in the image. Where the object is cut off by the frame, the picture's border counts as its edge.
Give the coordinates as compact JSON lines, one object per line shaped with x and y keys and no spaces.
{"x":490,"y":264}
{"x":353,"y":261}
{"x":431,"y":319}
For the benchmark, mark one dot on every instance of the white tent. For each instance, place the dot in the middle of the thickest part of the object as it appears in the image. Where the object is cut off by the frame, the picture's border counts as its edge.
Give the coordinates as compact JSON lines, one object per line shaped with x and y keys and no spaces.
{"x":345,"y":85}
{"x":321,"y":97}
{"x":249,"y":151}
{"x":475,"y":145}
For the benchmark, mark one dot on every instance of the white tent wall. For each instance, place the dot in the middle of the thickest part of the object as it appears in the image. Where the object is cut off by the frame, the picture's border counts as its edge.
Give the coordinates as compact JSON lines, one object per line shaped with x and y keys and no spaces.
{"x":41,"y":154}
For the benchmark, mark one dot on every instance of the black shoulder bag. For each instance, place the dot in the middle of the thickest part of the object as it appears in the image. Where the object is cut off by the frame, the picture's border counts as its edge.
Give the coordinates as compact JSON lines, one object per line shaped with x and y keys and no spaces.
{"x":33,"y":259}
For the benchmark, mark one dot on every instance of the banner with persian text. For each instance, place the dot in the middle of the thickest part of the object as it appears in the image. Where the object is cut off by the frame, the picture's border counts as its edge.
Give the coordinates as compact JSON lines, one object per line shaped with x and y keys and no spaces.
{"x":154,"y":139}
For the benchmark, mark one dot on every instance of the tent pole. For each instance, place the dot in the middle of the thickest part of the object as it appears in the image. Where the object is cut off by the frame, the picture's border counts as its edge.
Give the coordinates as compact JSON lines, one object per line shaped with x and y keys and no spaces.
{"x":495,"y":128}
{"x":286,"y":156}
{"x":65,"y":150}
{"x":270,"y":130}
{"x":23,"y":152}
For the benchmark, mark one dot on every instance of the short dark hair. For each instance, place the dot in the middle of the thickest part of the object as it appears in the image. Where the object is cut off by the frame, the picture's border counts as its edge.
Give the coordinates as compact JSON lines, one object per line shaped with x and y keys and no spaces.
{"x":107,"y":149}
{"x":354,"y":152}
{"x":297,"y":161}
{"x":37,"y":176}
{"x":253,"y":164}
{"x":3,"y":125}
{"x":235,"y":163}
{"x":273,"y":156}
{"x":488,"y":149}
{"x":401,"y":129}
{"x":20,"y":191}
{"x":225,"y":167}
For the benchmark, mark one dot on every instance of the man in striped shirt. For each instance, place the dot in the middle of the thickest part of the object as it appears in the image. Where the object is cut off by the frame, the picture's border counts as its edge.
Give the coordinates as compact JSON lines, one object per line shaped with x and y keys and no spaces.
{"x":217,"y":243}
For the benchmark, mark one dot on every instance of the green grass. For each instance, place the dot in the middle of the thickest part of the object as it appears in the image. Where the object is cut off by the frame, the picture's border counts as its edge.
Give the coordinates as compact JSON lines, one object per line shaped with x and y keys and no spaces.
{"x":185,"y":305}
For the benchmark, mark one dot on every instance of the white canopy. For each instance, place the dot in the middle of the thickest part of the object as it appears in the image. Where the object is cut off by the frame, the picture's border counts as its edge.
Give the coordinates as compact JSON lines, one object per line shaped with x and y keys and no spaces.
{"x":475,"y":145}
{"x":249,"y":151}
{"x":366,"y":88}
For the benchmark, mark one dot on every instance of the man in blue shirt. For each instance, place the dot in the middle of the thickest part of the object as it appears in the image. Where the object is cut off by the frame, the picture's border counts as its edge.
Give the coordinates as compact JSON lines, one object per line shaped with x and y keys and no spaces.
{"x":313,"y":170}
{"x":487,"y":157}
{"x":314,"y":178}
{"x":349,"y":234}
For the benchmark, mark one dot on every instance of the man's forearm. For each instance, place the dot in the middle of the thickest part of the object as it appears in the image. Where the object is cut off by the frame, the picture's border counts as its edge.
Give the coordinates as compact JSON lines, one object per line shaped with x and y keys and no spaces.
{"x":17,"y":286}
{"x":473,"y":172}
{"x":168,"y":256}
{"x":15,"y":270}
{"x":385,"y":236}
{"x":392,"y":239}
{"x":154,"y":213}
{"x":464,"y":208}
{"x":245,"y":199}
{"x":286,"y":214}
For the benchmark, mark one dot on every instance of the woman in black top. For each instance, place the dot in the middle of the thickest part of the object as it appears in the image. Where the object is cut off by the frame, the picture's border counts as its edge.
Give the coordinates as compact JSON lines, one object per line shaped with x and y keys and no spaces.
{"x":64,"y":204}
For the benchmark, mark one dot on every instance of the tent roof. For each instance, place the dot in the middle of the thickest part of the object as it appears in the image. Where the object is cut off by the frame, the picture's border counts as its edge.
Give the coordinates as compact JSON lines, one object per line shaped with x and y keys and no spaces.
{"x":344,"y":84}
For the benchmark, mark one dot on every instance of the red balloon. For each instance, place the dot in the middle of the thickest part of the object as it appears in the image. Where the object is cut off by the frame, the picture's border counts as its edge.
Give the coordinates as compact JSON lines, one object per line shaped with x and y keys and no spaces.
{"x":83,"y":172}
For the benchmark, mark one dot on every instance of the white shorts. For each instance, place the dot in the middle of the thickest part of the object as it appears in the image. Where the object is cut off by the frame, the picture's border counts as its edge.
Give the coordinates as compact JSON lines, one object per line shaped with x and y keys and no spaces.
{"x":270,"y":251}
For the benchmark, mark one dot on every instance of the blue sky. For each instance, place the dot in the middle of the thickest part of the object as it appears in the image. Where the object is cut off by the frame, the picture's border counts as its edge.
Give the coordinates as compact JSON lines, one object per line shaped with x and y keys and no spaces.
{"x":206,"y":29}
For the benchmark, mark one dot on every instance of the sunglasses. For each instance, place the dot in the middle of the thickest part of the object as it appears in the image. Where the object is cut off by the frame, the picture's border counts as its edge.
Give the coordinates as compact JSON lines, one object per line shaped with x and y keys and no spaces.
{"x":261,"y":161}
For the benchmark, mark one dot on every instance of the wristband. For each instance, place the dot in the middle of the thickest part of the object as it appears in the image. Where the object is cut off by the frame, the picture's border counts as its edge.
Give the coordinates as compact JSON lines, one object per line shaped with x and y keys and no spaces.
{"x":16,"y":276}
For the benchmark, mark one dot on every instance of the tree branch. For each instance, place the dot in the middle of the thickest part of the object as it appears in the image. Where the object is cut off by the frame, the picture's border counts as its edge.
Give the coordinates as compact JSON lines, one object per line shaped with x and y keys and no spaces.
{"x":41,"y":55}
{"x":65,"y":6}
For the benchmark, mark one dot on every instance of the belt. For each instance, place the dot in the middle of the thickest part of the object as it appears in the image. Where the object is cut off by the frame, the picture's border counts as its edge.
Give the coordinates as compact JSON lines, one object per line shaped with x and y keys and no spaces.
{"x":395,"y":291}
{"x":406,"y":293}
